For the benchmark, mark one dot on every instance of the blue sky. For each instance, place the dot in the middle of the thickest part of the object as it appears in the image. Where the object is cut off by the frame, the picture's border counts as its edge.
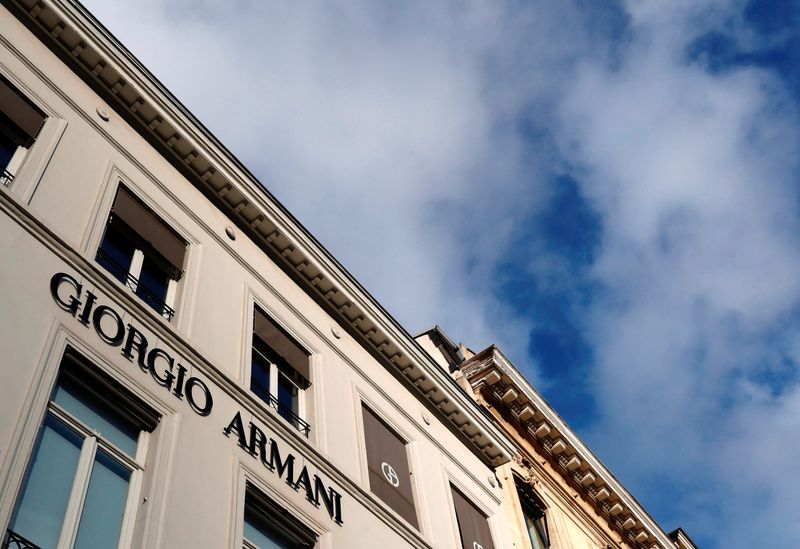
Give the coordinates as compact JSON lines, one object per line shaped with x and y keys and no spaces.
{"x":608,"y":191}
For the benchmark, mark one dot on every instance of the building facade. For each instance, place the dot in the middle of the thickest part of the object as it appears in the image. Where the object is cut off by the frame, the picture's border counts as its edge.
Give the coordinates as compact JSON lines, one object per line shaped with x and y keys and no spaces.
{"x":556,"y":493}
{"x":184,"y":365}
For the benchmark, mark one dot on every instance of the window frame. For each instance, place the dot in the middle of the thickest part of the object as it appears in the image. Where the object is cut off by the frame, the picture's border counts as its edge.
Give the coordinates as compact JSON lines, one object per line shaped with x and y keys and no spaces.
{"x":304,"y":397}
{"x":175,"y":286}
{"x":529,"y":499}
{"x":408,"y":444}
{"x":454,"y":484}
{"x":17,"y":134}
{"x":32,"y":413}
{"x":288,"y":523}
{"x":31,"y":163}
{"x":248,"y":482}
{"x":274,"y":373}
{"x":92,"y":442}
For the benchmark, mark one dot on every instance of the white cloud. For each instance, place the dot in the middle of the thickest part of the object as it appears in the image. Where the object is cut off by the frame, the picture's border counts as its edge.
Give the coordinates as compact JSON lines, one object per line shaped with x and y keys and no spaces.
{"x":393,"y":132}
{"x":695,"y":176}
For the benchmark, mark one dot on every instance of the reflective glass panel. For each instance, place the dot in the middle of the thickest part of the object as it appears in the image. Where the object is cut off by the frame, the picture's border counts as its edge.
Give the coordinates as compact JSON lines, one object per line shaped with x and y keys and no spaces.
{"x":533,"y":532}
{"x":287,"y":397}
{"x":7,"y":150}
{"x":259,"y":375}
{"x":260,"y":535}
{"x":153,"y":282}
{"x":95,"y":415}
{"x":104,"y":506}
{"x":116,"y":252}
{"x":45,"y":493}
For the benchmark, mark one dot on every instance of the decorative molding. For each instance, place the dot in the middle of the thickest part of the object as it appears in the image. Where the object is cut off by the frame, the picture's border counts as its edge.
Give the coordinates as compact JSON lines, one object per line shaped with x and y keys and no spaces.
{"x":511,"y":394}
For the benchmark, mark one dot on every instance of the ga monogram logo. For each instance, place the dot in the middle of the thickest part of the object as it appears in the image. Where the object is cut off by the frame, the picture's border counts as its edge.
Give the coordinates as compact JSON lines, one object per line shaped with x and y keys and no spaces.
{"x":391,"y":476}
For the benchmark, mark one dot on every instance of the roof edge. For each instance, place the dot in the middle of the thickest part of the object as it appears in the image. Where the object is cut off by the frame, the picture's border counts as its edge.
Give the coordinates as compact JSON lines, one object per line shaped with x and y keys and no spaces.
{"x":491,"y":367}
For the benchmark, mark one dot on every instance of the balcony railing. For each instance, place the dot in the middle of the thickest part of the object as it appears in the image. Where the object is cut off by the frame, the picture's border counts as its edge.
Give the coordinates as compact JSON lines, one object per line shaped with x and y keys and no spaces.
{"x":6,"y":178}
{"x":12,"y":540}
{"x":122,"y":274}
{"x":284,"y":411}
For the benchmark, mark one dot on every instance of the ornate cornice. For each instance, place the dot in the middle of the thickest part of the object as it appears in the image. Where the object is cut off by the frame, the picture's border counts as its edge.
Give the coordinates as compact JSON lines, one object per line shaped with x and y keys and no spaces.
{"x":136,"y":95}
{"x":491,"y":375}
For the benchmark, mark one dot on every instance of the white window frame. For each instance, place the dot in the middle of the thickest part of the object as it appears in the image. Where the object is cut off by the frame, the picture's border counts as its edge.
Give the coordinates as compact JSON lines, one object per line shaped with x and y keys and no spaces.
{"x":118,"y":180}
{"x":16,"y":162}
{"x":154,"y":449}
{"x":309,"y":414}
{"x":273,"y":383}
{"x":296,"y":516}
{"x":92,"y":442}
{"x":274,"y":373}
{"x":135,"y":271}
{"x":27,"y":165}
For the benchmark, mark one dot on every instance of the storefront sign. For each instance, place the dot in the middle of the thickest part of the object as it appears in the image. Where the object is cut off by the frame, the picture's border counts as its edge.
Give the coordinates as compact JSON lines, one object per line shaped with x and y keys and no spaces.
{"x":255,"y":442}
{"x":109,"y":326}
{"x":167,"y":372}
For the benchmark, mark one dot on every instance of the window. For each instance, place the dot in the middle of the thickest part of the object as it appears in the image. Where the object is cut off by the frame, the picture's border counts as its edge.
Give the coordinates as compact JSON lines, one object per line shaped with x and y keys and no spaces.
{"x":269,"y":526}
{"x":387,"y":462}
{"x":473,"y":526}
{"x":20,"y":123}
{"x":533,"y":510}
{"x":76,"y":490}
{"x":279,"y":371}
{"x":143,"y":253}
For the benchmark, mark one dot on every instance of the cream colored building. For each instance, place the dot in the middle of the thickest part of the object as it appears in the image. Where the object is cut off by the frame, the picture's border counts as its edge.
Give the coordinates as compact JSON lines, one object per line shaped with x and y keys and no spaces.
{"x":556,"y":493}
{"x":184,"y":366}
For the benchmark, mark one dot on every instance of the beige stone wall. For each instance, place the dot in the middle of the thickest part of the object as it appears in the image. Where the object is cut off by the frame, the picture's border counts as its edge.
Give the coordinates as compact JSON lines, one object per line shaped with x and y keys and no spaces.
{"x":568,"y":524}
{"x":52,"y":219}
{"x":572,"y":522}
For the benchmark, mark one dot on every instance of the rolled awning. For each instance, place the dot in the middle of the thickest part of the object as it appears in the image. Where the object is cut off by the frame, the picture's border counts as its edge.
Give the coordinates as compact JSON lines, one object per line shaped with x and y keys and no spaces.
{"x":283,"y":345}
{"x":387,"y":462}
{"x":23,"y":114}
{"x":150,"y":228}
{"x":472,"y":524}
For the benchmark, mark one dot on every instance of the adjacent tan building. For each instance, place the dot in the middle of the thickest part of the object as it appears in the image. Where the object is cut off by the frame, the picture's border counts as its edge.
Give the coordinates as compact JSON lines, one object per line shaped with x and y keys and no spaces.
{"x":556,"y":493}
{"x":184,"y":365}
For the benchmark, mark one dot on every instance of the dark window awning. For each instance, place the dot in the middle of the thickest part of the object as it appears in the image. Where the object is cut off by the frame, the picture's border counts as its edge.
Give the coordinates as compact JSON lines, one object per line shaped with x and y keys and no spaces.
{"x":150,"y":228}
{"x":284,"y":345}
{"x":21,"y":118}
{"x":472,"y":524}
{"x":387,"y":461}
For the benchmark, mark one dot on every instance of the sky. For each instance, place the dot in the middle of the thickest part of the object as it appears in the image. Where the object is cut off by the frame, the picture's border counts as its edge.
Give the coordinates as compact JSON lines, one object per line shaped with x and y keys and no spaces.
{"x":606,"y":190}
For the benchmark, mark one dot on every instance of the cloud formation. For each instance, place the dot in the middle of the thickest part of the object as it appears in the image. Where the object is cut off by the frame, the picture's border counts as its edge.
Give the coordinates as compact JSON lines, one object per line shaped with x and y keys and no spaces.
{"x":695,"y":331}
{"x":506,"y":169}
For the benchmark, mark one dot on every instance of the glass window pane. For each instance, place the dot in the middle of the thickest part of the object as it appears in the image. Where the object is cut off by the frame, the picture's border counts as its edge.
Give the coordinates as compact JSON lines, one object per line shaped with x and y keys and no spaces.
{"x":95,"y":415}
{"x":260,"y":535}
{"x":287,"y":397}
{"x":153,"y":282}
{"x":259,"y":376}
{"x":116,"y":252}
{"x":533,"y":533}
{"x":45,"y":493}
{"x":104,"y":506}
{"x":7,"y":150}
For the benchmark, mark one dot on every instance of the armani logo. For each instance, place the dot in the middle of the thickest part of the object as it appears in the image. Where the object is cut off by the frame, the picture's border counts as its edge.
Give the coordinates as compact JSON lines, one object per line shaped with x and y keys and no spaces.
{"x":391,"y":475}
